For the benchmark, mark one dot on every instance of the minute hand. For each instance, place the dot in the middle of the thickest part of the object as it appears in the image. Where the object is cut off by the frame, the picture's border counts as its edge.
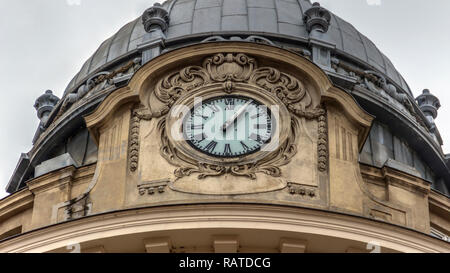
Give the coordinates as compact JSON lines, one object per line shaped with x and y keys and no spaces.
{"x":236,"y":115}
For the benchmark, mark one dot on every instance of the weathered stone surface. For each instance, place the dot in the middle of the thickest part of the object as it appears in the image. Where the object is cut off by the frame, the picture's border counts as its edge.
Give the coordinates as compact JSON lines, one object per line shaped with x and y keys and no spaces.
{"x":148,"y":185}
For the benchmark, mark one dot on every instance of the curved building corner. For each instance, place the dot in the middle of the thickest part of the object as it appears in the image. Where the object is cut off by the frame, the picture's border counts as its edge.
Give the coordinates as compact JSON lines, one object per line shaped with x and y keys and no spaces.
{"x":162,"y":142}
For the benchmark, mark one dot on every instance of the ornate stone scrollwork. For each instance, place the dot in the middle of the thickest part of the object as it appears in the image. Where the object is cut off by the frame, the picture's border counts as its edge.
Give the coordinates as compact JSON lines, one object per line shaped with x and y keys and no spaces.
{"x":378,"y":84}
{"x":186,"y":165}
{"x":170,"y":89}
{"x":269,"y":165}
{"x":287,"y":88}
{"x":230,"y":70}
{"x":100,"y":81}
{"x":251,"y":39}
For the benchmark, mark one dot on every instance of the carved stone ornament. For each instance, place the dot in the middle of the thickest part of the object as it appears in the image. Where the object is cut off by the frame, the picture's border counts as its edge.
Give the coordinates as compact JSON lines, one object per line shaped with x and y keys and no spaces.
{"x":45,"y":104}
{"x":302,"y":190}
{"x":378,"y":84}
{"x":99,"y":81}
{"x":230,"y":69}
{"x":135,"y":127}
{"x":318,"y":18}
{"x":239,"y":74}
{"x":269,"y":165}
{"x":156,"y":17}
{"x":153,"y":187}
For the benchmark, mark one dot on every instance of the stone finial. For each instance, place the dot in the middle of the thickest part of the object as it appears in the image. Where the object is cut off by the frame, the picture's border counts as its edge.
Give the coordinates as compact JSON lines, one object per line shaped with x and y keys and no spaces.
{"x":45,"y":104}
{"x":429,"y":104}
{"x":156,"y":18}
{"x":317,"y":18}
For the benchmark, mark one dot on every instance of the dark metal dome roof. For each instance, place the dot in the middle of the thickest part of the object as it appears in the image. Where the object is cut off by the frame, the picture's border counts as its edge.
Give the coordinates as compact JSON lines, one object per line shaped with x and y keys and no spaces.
{"x":268,"y":18}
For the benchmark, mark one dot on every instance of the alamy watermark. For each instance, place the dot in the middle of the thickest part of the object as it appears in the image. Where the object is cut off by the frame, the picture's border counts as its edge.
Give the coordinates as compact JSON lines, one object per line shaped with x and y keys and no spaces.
{"x":247,"y":123}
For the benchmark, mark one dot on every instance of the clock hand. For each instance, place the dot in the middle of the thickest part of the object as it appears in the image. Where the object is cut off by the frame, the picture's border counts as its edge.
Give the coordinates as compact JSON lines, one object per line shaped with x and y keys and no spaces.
{"x":235,"y":116}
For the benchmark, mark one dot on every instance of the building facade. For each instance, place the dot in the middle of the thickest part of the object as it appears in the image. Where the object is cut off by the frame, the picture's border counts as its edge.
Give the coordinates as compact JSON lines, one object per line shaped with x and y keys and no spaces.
{"x":233,"y":126}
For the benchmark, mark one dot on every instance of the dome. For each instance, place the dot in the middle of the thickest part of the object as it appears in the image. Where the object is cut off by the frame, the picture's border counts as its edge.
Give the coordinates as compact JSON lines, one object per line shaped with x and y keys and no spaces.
{"x":279,"y":20}
{"x":346,"y":56}
{"x":204,"y":119}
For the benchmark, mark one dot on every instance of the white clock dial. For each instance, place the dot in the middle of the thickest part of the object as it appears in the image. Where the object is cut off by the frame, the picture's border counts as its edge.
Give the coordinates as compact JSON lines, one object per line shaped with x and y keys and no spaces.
{"x":230,"y":126}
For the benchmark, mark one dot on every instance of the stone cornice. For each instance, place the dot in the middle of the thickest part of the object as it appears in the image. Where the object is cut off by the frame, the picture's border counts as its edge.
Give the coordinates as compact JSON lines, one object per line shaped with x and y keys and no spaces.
{"x":405,"y":181}
{"x":390,"y":176}
{"x":235,"y":216}
{"x":51,"y":180}
{"x":16,"y":203}
{"x":417,"y":136}
{"x":440,"y":201}
{"x":84,"y":172}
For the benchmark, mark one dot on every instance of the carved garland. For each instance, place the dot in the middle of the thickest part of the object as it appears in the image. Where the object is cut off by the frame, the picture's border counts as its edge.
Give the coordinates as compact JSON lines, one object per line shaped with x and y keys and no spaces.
{"x":322,"y":144}
{"x":230,"y":69}
{"x":135,"y":127}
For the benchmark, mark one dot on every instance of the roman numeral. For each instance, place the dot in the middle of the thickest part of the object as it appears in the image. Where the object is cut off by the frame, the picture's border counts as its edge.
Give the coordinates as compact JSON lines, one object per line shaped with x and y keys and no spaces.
{"x":214,"y":108}
{"x":229,"y":104}
{"x":245,"y":146}
{"x":197,"y":126}
{"x":211,"y":146}
{"x":257,"y":138}
{"x":227,"y":150}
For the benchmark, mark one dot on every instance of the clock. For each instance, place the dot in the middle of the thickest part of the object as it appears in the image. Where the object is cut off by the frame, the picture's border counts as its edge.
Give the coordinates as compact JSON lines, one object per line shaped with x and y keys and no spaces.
{"x":228,"y":126}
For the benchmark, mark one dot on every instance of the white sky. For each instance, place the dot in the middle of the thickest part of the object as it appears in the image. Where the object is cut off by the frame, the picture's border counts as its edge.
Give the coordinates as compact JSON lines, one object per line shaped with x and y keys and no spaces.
{"x":44,"y":43}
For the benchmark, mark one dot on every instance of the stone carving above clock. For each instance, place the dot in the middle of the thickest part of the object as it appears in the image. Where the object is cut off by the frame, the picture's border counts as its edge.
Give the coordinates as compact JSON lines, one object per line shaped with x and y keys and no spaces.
{"x":160,"y":168}
{"x":229,"y":69}
{"x":235,"y":76}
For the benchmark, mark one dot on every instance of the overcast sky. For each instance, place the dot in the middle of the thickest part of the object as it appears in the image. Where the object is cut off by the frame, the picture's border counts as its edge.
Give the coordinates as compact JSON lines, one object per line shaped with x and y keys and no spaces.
{"x":44,"y":43}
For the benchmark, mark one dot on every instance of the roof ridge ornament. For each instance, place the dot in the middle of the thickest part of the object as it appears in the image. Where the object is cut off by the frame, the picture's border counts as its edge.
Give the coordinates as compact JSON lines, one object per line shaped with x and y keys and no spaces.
{"x":428,"y":103}
{"x":317,"y":18}
{"x":156,"y":18}
{"x":156,"y":23}
{"x":44,"y":105}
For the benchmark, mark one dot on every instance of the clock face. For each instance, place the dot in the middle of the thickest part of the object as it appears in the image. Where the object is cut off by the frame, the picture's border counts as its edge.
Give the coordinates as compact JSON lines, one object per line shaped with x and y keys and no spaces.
{"x":229,"y":126}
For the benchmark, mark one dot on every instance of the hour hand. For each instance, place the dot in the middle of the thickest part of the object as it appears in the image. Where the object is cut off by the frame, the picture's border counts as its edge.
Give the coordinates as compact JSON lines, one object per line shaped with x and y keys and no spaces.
{"x":235,"y":116}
